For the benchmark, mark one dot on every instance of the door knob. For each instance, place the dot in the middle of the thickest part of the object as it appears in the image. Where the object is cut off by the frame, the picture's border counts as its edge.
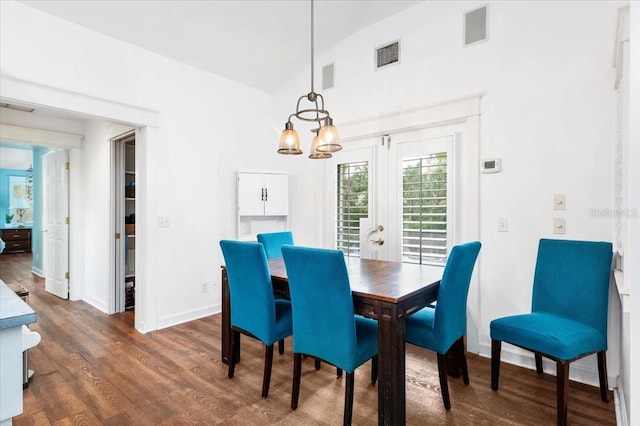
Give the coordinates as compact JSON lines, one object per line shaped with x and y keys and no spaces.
{"x":379,"y":241}
{"x":380,"y":228}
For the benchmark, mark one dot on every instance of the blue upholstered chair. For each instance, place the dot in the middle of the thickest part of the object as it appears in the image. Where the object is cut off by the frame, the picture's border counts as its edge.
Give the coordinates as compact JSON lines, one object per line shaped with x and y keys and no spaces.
{"x":273,"y":241}
{"x":254,"y":311}
{"x":442,"y":328}
{"x":324,"y":323}
{"x":568,"y":318}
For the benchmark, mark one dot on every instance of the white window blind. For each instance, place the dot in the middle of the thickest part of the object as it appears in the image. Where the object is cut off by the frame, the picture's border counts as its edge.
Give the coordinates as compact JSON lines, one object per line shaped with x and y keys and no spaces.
{"x":352,"y":205}
{"x":424,"y":209}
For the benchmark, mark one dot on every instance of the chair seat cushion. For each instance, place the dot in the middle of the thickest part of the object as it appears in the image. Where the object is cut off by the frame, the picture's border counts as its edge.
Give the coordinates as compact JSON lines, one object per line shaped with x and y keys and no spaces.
{"x":421,"y":331}
{"x":549,"y":334}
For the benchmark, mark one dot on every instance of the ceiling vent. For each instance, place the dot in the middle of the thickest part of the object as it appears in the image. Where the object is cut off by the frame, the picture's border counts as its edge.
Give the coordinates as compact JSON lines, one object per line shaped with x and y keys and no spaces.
{"x":388,"y":55}
{"x":475,"y":26}
{"x":327,"y":77}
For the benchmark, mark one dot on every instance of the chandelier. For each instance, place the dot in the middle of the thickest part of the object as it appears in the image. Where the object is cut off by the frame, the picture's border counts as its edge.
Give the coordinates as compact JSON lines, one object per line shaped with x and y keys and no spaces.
{"x":325,"y":140}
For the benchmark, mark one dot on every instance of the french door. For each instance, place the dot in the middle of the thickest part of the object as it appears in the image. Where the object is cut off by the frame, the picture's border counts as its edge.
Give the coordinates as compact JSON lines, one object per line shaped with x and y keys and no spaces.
{"x":393,"y":197}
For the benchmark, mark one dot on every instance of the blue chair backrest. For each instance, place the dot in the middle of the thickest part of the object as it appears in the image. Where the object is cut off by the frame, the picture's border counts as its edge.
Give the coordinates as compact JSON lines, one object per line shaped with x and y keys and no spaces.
{"x":450,"y":322}
{"x":252,"y":302}
{"x":322,"y":305}
{"x":273,"y":241}
{"x":572,"y":280}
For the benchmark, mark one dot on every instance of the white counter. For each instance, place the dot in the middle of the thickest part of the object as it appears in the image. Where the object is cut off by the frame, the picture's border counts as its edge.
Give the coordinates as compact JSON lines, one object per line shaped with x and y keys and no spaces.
{"x":14,"y":313}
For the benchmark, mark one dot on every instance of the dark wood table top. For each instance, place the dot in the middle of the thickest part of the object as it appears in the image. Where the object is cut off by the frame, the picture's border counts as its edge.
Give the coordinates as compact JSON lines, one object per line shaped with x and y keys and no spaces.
{"x":391,"y":282}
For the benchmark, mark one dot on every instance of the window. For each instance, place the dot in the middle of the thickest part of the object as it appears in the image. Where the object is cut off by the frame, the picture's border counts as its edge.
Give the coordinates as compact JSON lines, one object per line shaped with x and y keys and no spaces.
{"x":424,"y":209}
{"x":352,"y":205}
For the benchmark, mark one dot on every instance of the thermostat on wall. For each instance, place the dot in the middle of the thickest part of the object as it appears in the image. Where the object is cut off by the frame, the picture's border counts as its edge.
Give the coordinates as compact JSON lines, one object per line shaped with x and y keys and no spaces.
{"x":491,"y":165}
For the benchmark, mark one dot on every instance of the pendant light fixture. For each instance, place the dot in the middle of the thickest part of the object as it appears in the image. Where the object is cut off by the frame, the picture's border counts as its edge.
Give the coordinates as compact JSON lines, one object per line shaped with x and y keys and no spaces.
{"x":326,"y":138}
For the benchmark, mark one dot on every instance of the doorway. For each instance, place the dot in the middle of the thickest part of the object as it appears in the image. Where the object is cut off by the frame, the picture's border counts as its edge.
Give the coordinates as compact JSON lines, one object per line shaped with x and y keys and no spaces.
{"x":395,"y":197}
{"x":124,"y":184}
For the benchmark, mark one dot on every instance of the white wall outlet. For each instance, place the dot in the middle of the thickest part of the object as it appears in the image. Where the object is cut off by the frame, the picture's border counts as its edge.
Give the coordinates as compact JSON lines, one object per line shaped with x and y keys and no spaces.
{"x":559,"y":202}
{"x":559,"y":225}
{"x":503,"y":224}
{"x":163,"y":222}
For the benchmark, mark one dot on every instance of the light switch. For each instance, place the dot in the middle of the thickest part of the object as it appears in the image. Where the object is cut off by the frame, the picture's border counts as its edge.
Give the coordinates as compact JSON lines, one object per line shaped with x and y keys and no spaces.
{"x":559,"y":226}
{"x":559,"y":202}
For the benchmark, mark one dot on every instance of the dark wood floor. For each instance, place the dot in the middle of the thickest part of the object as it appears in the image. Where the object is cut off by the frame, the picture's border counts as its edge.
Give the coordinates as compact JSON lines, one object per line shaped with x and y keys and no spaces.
{"x":92,"y":368}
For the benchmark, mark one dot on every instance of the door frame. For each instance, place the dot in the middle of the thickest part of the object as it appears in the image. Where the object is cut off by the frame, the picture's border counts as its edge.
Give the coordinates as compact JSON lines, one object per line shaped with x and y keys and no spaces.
{"x":38,"y":95}
{"x":460,"y":116}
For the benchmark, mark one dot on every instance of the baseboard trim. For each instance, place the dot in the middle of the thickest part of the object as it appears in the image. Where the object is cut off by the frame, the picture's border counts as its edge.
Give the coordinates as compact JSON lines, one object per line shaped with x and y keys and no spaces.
{"x":620,"y":404}
{"x":188,"y":316}
{"x":37,"y":271}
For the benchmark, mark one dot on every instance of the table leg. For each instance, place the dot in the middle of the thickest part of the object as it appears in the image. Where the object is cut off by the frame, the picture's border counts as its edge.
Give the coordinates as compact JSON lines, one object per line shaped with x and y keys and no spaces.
{"x":391,"y":367}
{"x":226,"y":319}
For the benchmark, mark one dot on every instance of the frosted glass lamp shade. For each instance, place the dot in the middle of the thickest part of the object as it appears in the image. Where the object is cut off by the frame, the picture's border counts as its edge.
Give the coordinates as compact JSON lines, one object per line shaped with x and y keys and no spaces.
{"x":329,"y":140}
{"x":289,"y":141}
{"x":315,"y":154}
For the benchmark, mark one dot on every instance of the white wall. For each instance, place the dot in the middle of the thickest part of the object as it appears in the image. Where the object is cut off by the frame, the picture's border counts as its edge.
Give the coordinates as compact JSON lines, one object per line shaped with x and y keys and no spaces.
{"x":197,"y":113}
{"x":547,"y":78}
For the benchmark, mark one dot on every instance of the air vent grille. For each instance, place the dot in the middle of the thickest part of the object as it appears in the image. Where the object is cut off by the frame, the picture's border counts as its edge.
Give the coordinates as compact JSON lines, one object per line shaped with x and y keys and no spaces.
{"x":388,"y":55}
{"x":475,"y":26}
{"x":327,"y":77}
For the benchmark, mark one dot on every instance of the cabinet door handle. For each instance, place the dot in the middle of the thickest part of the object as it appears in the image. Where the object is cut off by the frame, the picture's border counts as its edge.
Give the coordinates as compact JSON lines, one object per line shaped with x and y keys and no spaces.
{"x":266,"y":194}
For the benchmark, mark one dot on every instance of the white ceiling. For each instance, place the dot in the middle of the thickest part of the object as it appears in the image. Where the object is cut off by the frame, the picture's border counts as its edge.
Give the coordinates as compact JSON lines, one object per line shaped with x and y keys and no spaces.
{"x":261,"y":43}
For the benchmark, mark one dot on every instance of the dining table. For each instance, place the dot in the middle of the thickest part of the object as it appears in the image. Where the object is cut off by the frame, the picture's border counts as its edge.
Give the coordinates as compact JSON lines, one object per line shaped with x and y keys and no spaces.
{"x":383,"y":290}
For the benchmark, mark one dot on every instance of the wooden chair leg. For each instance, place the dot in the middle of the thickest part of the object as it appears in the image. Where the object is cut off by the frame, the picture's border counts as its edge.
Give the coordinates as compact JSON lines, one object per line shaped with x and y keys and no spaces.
{"x":317,"y":363}
{"x":374,"y":369}
{"x":236,"y":341}
{"x":562,"y":385}
{"x":348,"y":399}
{"x":602,"y":373}
{"x":297,"y":371}
{"x":462,"y":358}
{"x":538,"y":358}
{"x":268,"y":362}
{"x":496,"y":346}
{"x":444,"y":387}
{"x":338,"y":372}
{"x":232,"y":359}
{"x":281,"y":346}
{"x":453,"y":363}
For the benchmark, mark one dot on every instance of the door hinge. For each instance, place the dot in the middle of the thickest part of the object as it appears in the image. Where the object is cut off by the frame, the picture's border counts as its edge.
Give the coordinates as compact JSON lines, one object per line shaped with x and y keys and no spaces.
{"x":67,"y":165}
{"x":66,"y":275}
{"x":117,"y":235}
{"x":66,"y":220}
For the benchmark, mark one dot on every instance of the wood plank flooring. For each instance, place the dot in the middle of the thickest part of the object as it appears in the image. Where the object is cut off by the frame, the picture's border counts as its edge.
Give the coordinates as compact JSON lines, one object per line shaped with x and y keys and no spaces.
{"x":92,"y":368}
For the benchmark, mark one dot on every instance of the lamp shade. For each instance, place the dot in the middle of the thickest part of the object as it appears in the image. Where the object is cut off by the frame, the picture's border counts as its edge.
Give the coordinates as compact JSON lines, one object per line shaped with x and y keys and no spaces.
{"x":315,"y":154}
{"x":19,"y":203}
{"x":289,"y":141}
{"x":328,"y":138}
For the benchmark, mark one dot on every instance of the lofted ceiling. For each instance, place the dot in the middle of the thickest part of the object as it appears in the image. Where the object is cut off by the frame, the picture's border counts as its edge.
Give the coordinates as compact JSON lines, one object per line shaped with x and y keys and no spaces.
{"x":261,"y":43}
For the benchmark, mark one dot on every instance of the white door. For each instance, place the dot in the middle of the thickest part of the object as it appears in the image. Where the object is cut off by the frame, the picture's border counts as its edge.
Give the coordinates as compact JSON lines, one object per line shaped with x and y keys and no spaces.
{"x":250,"y":194}
{"x":393,"y":198}
{"x":55,"y":247}
{"x":276,"y":195}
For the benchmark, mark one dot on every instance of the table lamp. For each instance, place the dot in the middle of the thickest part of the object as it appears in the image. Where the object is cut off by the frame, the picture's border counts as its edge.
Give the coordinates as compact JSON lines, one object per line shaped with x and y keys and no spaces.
{"x":19,"y":205}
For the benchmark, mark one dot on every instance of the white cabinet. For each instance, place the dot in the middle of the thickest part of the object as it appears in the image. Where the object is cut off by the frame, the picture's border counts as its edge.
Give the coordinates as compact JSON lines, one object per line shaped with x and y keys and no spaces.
{"x":263,"y":203}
